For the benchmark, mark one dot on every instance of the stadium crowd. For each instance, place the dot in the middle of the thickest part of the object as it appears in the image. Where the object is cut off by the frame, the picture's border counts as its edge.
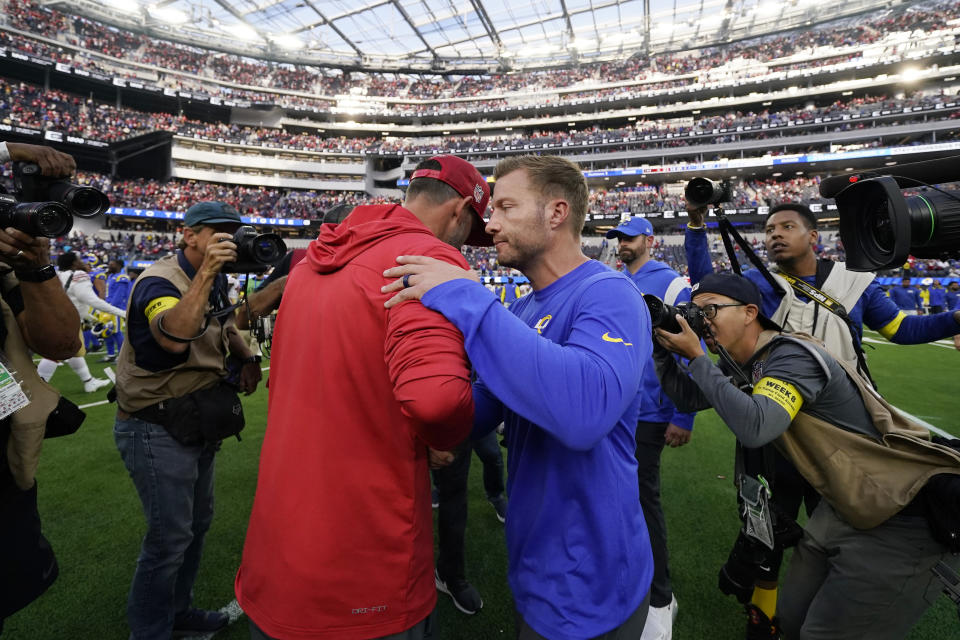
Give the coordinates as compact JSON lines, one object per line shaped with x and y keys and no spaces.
{"x":28,"y":105}
{"x":650,"y":74}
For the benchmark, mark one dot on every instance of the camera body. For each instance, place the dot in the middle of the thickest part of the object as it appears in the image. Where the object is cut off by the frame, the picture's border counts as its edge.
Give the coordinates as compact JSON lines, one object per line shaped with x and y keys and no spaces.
{"x":43,"y":206}
{"x":662,"y":315}
{"x":701,"y":192}
{"x":256,"y":252}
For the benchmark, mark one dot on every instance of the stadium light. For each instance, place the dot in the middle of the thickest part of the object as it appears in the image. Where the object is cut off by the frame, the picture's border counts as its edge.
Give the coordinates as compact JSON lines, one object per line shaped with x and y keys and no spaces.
{"x":243,"y":31}
{"x":910,"y":74}
{"x":287,"y":41}
{"x":125,"y":6}
{"x":170,"y":15}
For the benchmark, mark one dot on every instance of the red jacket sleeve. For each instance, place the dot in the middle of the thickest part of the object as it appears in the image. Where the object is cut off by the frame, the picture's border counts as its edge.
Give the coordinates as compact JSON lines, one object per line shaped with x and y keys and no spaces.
{"x":430,"y":372}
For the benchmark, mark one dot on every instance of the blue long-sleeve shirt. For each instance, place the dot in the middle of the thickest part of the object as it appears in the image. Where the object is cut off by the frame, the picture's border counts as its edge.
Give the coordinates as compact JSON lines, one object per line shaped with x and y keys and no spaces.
{"x":873,"y":309}
{"x":118,"y":289}
{"x":937,"y":296}
{"x":906,"y":298}
{"x":953,"y":300}
{"x":561,"y":368}
{"x":660,"y":280}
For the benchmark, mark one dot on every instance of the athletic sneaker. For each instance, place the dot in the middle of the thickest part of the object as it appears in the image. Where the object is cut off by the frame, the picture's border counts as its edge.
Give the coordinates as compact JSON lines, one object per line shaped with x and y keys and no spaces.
{"x":93,"y":384}
{"x":435,"y":498}
{"x":198,"y":621}
{"x":759,"y":626}
{"x":659,"y":625}
{"x":500,"y":506}
{"x":112,"y":358}
{"x":464,"y":596}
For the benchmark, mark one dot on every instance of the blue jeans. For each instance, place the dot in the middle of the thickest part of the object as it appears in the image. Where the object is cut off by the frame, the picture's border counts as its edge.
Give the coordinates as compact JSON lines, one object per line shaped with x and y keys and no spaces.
{"x":175,"y":484}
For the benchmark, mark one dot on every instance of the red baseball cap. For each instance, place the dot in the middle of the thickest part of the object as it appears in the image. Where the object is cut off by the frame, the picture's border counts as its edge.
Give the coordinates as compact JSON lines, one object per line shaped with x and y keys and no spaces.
{"x":467,"y":181}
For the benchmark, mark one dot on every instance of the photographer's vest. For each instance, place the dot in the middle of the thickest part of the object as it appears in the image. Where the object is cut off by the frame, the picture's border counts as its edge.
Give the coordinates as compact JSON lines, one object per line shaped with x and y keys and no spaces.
{"x":28,"y":425}
{"x":865,"y":480}
{"x":812,"y":318}
{"x":138,"y":388}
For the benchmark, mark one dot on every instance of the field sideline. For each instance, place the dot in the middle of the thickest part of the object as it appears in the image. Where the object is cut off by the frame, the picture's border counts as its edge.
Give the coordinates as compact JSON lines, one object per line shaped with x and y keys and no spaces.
{"x":92,"y":517}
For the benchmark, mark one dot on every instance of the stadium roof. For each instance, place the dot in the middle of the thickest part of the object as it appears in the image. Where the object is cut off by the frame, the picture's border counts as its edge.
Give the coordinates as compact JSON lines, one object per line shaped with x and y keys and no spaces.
{"x":461,"y":35}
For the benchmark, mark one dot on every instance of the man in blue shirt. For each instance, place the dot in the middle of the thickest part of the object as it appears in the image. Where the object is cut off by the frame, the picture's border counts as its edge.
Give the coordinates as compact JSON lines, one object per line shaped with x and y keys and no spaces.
{"x":937,"y":297}
{"x":561,"y":369}
{"x":659,"y":422}
{"x":952,"y":297}
{"x":118,"y":290}
{"x":906,"y":298}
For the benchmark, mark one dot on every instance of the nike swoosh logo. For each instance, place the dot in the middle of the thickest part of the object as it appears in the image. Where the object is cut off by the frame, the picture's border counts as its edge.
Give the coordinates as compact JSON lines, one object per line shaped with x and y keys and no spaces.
{"x":606,"y":338}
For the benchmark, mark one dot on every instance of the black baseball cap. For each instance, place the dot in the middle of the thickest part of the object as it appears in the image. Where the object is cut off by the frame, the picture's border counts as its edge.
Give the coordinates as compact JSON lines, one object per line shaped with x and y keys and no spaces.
{"x":738,"y":288}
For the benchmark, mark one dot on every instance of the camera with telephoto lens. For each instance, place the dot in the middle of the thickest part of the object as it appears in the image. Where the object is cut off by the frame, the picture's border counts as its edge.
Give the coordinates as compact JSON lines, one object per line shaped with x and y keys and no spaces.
{"x":43,"y":206}
{"x":700,"y":192}
{"x":881,"y":226}
{"x":663,"y":315}
{"x":256,"y":252}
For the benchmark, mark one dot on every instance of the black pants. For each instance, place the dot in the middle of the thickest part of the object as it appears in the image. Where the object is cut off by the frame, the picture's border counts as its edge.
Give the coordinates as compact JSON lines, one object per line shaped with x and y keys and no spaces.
{"x":451,"y":483}
{"x":649,"y":447}
{"x":790,"y":490}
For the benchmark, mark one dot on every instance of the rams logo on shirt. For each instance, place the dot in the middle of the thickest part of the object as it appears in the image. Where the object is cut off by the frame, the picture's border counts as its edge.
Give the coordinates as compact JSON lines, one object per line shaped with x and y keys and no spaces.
{"x":606,"y":337}
{"x":542,"y":323}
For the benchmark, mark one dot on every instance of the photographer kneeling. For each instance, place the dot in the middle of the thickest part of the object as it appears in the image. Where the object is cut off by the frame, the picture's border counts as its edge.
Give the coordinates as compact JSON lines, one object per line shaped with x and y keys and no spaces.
{"x":863,"y":567}
{"x":174,"y":408}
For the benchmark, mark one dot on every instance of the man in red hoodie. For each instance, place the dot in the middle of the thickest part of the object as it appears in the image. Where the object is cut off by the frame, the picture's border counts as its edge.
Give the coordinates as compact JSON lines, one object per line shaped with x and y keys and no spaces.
{"x":340,"y":542}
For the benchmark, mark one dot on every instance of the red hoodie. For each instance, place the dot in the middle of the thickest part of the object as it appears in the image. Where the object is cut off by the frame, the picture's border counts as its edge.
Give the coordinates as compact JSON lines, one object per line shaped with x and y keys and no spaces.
{"x":340,"y":542}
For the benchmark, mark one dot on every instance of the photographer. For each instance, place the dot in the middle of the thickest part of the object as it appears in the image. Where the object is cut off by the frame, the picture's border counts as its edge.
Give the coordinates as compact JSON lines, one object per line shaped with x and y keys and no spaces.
{"x":863,"y":567}
{"x":35,"y":315}
{"x":791,"y":239}
{"x":173,"y":410}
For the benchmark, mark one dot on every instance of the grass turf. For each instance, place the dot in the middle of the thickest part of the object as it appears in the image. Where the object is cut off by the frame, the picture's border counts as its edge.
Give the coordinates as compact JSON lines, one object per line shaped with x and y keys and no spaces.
{"x":92,"y":517}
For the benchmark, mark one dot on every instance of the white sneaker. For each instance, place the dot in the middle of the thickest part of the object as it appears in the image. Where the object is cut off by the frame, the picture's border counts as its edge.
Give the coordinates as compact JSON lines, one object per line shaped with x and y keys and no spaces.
{"x":673,"y":608}
{"x":93,"y":384}
{"x":659,"y":625}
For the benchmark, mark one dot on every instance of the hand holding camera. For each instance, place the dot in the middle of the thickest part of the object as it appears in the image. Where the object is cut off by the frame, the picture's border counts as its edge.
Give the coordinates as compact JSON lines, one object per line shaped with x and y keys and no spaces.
{"x":220,"y":251}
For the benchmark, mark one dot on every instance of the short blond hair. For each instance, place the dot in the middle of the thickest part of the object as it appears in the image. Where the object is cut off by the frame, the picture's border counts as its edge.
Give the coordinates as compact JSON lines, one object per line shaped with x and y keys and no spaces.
{"x":553,"y":177}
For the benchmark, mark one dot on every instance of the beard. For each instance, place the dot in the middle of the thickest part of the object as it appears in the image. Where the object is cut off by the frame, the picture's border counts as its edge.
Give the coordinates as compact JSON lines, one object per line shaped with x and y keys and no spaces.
{"x":627,"y":255}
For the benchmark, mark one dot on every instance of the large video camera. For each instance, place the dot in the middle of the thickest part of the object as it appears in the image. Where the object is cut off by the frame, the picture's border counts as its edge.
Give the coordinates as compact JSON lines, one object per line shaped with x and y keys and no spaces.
{"x":880,"y":226}
{"x":701,"y":192}
{"x":256,"y":252}
{"x":43,"y":206}
{"x":663,"y":315}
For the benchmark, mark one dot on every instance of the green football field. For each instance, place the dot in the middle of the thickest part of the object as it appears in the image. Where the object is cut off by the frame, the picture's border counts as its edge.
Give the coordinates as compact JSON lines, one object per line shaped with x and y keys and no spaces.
{"x":92,"y":517}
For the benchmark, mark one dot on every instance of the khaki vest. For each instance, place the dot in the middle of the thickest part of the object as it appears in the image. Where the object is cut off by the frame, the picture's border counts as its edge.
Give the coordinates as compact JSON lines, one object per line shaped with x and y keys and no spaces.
{"x":865,"y":480}
{"x":138,"y":388}
{"x":794,"y":316}
{"x":29,"y":424}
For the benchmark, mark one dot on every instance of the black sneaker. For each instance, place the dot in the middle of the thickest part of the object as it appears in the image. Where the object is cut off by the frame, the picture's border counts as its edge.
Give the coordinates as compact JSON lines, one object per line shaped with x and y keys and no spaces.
{"x":759,"y":626}
{"x":112,"y":358}
{"x":435,"y":498}
{"x":198,"y":622}
{"x":464,"y":596}
{"x":500,"y":506}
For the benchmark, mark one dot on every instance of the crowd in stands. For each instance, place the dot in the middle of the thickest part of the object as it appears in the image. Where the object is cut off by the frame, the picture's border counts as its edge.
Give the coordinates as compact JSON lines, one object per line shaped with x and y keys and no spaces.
{"x":654,"y":73}
{"x":29,"y":105}
{"x":178,"y":195}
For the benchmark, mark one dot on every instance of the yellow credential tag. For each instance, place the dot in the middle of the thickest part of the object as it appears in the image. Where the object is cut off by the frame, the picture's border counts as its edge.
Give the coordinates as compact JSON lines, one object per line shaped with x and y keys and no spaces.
{"x":783,"y":393}
{"x":160,"y":304}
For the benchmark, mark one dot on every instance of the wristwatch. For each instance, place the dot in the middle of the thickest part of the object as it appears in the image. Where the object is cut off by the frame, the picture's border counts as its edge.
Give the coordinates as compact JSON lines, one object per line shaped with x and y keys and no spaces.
{"x":41,"y":274}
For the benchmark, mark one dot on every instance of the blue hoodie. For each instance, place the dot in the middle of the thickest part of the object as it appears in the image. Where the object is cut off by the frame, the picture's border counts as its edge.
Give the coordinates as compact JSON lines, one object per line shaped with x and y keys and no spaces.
{"x":660,"y":280}
{"x":561,"y":369}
